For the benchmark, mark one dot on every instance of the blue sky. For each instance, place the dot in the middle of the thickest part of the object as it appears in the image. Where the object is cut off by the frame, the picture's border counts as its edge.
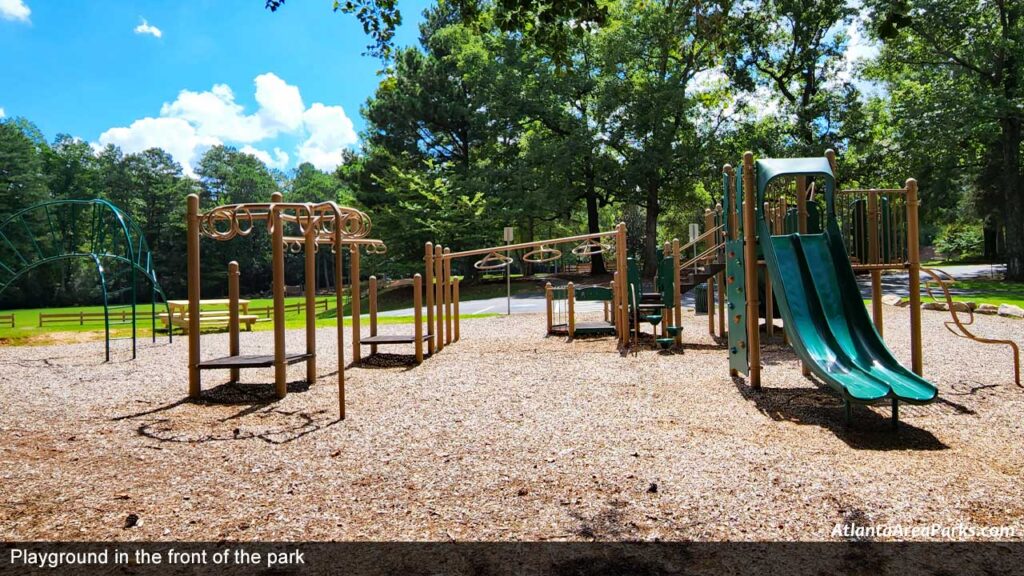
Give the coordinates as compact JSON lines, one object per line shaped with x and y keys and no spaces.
{"x":185,"y":75}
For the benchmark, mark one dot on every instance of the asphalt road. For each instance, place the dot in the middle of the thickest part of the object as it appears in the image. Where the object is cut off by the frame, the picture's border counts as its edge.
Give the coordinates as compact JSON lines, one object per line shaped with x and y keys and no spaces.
{"x":534,"y":303}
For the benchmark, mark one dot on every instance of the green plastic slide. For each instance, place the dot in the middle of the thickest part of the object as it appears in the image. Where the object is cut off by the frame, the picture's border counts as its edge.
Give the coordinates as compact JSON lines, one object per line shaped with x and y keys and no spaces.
{"x":828,"y":324}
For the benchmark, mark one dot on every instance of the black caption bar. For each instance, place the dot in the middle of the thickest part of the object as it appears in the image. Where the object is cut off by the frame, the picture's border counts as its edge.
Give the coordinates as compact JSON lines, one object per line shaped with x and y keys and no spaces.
{"x":509,"y":559}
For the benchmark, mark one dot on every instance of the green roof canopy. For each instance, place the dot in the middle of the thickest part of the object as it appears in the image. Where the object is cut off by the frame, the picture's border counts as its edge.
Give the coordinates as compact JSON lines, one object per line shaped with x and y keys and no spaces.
{"x":769,"y":169}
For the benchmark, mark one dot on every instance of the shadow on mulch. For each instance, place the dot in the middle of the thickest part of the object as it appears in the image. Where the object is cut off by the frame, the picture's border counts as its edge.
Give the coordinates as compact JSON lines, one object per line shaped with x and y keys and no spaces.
{"x":388,"y":360}
{"x":274,"y":425}
{"x":815,"y":406}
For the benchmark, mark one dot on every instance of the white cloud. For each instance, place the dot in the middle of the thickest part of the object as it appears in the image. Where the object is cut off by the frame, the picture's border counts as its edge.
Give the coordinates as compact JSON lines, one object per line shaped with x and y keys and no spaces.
{"x":174,"y":135}
{"x":330,"y":131}
{"x":280,"y":103}
{"x":195,"y":121}
{"x":146,"y":28}
{"x":278,"y":161}
{"x":216,"y":114}
{"x":14,"y":10}
{"x":3,"y":113}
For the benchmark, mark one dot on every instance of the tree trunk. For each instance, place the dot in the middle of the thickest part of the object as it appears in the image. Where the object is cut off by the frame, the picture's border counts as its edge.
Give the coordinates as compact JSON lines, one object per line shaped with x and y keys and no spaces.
{"x":593,"y":227}
{"x":1014,"y":199}
{"x":651,"y":248}
{"x":1011,"y":137}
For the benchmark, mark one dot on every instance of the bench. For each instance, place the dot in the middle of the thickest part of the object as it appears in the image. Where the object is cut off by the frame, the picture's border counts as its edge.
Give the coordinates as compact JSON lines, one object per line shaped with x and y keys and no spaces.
{"x":7,"y":320}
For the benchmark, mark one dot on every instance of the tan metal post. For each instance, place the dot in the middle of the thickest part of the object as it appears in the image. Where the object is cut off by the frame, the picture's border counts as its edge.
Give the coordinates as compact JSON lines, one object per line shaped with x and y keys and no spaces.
{"x":439,"y":296}
{"x":447,"y":297}
{"x":616,"y":302}
{"x":310,"y":284}
{"x":730,"y":189}
{"x":623,"y":282}
{"x":801,"y":204}
{"x":373,"y":312}
{"x":666,"y":311}
{"x":455,"y":302}
{"x":769,"y":308}
{"x":194,"y":381}
{"x":428,"y":258}
{"x":709,"y":223}
{"x":609,"y":306}
{"x":339,"y":304}
{"x":750,"y":258}
{"x":873,"y":257}
{"x":677,"y":279}
{"x":548,"y":295}
{"x":277,"y":252}
{"x":801,"y":226}
{"x":233,"y":315}
{"x":720,"y":284}
{"x":571,"y":295}
{"x":356,"y":291}
{"x":914,"y":257}
{"x":417,"y":303}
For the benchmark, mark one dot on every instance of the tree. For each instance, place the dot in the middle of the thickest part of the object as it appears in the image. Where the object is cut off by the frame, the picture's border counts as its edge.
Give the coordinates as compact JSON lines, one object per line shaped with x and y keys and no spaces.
{"x":970,"y":92}
{"x":22,"y":180}
{"x":652,"y":59}
{"x":796,"y":49}
{"x":226,"y":176}
{"x":544,"y":20}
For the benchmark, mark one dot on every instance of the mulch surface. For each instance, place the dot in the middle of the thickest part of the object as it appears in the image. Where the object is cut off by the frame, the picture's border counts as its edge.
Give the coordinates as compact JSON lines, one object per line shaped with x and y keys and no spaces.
{"x":505,"y":435}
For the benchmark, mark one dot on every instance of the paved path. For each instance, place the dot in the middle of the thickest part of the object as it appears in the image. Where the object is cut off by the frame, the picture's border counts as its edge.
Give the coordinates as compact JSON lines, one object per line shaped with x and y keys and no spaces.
{"x":897,"y":283}
{"x":534,"y":303}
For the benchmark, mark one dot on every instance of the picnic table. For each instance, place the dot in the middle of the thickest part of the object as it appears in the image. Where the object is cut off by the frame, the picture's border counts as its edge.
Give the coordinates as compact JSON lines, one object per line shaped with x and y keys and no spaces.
{"x":179,"y":314}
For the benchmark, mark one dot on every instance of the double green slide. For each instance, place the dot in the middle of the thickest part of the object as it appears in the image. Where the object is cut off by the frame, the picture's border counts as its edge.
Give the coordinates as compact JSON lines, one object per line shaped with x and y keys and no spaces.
{"x":828,"y":325}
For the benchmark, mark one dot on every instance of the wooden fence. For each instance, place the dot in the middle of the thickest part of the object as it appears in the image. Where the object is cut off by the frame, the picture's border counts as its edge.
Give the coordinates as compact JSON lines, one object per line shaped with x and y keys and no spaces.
{"x":294,"y":307}
{"x":7,"y":320}
{"x":125,"y":315}
{"x":121,"y":316}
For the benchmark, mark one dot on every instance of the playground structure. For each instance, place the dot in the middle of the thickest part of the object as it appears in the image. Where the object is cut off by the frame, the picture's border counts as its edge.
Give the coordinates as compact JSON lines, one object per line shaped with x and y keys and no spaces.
{"x":960,"y":328}
{"x":811,"y":277}
{"x":443,"y":291}
{"x":298,"y":228}
{"x":94,"y":230}
{"x":560,"y":306}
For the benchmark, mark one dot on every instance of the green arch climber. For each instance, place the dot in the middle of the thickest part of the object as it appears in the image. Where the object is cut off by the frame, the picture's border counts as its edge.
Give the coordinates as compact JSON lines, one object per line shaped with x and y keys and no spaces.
{"x":93,"y":229}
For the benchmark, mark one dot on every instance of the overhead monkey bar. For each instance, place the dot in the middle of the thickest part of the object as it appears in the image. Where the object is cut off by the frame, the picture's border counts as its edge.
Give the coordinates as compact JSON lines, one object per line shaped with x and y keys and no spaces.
{"x":318,"y":223}
{"x":442,"y":290}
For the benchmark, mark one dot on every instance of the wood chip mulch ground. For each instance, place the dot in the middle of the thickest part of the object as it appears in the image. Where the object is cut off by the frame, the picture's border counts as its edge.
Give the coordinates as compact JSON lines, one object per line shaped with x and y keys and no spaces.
{"x":505,"y":435}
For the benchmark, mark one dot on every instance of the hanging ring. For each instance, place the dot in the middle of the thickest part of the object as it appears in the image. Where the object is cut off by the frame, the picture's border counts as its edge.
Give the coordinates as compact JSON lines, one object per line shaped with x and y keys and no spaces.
{"x":542,"y":255}
{"x":590,"y":248}
{"x":493,"y":261}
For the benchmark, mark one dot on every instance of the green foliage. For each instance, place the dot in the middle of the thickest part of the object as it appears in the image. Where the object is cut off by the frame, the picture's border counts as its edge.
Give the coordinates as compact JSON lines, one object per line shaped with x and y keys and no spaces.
{"x":960,"y":241}
{"x":956,"y":105}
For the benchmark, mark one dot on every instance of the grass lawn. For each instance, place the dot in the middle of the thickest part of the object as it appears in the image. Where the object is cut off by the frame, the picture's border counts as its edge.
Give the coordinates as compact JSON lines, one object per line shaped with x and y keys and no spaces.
{"x":984,"y":291}
{"x":27,"y":330}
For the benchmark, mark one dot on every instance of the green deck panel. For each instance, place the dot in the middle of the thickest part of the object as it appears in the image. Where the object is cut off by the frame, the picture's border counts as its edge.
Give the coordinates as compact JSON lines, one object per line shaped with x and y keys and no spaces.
{"x":593,"y":294}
